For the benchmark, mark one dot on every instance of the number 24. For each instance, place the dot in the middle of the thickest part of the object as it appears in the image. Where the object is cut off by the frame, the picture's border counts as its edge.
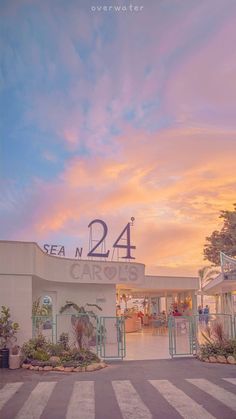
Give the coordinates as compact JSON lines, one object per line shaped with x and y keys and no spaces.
{"x":126,"y":246}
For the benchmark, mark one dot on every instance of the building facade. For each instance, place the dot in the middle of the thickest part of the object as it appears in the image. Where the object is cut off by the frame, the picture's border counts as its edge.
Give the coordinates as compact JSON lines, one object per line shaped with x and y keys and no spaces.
{"x":27,"y":274}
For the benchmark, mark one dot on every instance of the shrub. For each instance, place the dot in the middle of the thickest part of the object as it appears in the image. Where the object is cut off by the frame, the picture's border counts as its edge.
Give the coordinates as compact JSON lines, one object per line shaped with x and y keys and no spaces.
{"x":41,"y":355}
{"x":226,"y":348}
{"x":215,"y":342}
{"x":38,"y":351}
{"x":64,"y":341}
{"x":83,"y":357}
{"x":214,"y":334}
{"x":55,"y":349}
{"x":38,"y":343}
{"x":8,"y":328}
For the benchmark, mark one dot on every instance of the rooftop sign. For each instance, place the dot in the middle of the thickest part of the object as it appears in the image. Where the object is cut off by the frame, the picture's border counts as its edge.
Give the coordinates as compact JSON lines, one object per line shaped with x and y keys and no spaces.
{"x":123,"y":242}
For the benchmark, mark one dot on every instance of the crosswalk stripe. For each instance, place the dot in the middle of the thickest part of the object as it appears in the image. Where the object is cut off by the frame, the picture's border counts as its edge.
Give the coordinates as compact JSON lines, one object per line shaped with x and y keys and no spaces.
{"x":185,"y":406}
{"x":8,"y":391}
{"x":37,"y":401}
{"x":82,"y":401}
{"x":230,"y":380}
{"x":219,"y":393}
{"x":130,"y":403}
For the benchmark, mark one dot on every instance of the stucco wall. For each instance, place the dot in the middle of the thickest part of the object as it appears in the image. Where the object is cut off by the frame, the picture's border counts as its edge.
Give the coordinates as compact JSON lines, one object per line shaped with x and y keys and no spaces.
{"x":170,"y":282}
{"x":102,"y":295}
{"x":16,"y":293}
{"x":29,"y":259}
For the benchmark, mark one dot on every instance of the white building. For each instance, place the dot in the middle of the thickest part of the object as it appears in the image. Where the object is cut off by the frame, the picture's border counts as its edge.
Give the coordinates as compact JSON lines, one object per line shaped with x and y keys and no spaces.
{"x":27,"y":273}
{"x":223,"y":286}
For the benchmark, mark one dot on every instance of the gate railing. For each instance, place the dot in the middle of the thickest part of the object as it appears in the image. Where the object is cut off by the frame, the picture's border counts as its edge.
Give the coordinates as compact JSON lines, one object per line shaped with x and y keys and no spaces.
{"x":104,"y":335}
{"x":181,"y":336}
{"x":186,"y":333}
{"x":44,"y":325}
{"x":112,"y":344}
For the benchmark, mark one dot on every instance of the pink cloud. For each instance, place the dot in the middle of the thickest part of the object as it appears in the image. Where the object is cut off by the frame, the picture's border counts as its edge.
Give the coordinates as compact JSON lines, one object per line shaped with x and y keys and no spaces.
{"x":205,"y":80}
{"x":174,"y":184}
{"x":174,"y":181}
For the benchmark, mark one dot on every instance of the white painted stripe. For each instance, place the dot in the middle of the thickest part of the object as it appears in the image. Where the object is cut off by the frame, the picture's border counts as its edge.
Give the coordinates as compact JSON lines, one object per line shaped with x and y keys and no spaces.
{"x":185,"y":406}
{"x":7,"y":392}
{"x":130,"y":403}
{"x":219,"y":393}
{"x":82,"y":401}
{"x":230,"y":380}
{"x":37,"y":401}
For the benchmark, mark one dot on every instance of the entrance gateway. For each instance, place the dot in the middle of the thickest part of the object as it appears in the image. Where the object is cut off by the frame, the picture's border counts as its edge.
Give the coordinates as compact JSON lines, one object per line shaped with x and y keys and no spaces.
{"x":183,"y":333}
{"x":28,"y":274}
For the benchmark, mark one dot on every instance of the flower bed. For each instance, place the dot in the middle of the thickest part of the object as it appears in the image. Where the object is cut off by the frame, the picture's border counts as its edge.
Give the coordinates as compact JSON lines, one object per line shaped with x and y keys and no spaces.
{"x":221,"y":359}
{"x":216,"y":347}
{"x":33,"y":366}
{"x":40,"y":355}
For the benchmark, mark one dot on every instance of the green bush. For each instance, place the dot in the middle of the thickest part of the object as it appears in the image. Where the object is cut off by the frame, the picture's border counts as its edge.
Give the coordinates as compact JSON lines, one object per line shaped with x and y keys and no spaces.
{"x":64,"y":341}
{"x":40,"y":355}
{"x":72,"y":363}
{"x":38,"y":351}
{"x":55,"y":349}
{"x":35,"y":344}
{"x":8,"y":328}
{"x":80,"y":358}
{"x":226,"y":348}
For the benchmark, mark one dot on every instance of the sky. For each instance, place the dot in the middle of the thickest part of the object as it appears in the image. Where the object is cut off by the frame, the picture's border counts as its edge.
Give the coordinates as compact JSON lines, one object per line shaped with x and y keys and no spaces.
{"x":111,"y":114}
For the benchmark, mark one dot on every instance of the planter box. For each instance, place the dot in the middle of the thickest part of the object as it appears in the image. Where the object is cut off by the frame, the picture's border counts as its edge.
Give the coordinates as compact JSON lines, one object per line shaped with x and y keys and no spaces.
{"x":14,"y":362}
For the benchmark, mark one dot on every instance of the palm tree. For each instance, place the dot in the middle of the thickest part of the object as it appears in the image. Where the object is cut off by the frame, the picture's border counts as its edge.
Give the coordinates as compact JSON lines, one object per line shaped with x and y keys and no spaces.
{"x":81,"y":320}
{"x":206,"y":275}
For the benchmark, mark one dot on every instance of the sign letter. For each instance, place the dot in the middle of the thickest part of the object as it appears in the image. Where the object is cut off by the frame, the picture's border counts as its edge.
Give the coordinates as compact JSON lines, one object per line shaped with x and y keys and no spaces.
{"x":46,"y":246}
{"x":127,"y":245}
{"x":78,"y":252}
{"x":62,"y":251}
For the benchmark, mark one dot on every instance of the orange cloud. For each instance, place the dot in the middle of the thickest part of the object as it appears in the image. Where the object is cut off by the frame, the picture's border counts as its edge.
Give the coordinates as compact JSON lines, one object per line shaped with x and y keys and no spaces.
{"x":174,"y":184}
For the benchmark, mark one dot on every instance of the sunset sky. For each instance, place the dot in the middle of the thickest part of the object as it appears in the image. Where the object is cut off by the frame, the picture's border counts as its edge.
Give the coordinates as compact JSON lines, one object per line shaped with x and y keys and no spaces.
{"x":112,"y":114}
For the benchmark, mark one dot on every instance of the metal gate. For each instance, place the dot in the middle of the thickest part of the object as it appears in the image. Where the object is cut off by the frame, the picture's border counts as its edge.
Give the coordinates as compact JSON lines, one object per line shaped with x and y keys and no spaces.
{"x":181,"y":336}
{"x":111,"y":338}
{"x":187,"y":333}
{"x":104,"y":335}
{"x":44,"y":325}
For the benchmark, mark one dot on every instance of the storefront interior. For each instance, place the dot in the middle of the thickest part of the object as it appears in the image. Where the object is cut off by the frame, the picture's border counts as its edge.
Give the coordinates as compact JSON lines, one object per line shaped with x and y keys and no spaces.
{"x":146,"y":319}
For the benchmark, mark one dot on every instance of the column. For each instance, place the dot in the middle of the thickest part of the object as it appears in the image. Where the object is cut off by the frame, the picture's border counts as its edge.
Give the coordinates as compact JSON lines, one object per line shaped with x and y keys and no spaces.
{"x":194,"y":303}
{"x":166,"y":308}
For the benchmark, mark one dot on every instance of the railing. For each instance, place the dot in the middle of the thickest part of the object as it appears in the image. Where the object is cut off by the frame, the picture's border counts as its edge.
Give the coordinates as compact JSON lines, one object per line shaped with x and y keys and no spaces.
{"x":104,"y":335}
{"x":44,"y":325}
{"x":186,"y":333}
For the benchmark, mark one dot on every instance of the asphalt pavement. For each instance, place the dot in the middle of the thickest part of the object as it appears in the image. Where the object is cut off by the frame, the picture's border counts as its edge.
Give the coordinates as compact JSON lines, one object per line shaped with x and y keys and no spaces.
{"x":168,"y":389}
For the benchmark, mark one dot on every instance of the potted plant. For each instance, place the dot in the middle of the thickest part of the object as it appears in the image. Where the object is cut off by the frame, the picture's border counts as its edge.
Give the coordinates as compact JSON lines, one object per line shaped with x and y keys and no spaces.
{"x":14,"y":358}
{"x":8,"y":330}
